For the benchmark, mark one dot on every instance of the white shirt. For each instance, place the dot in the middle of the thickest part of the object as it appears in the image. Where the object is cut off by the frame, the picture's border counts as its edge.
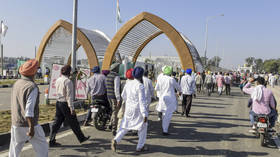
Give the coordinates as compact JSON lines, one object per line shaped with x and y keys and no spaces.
{"x":64,"y":90}
{"x":117,"y":82}
{"x":149,"y":89}
{"x":188,"y":85}
{"x":30,"y":103}
{"x":167,"y":100}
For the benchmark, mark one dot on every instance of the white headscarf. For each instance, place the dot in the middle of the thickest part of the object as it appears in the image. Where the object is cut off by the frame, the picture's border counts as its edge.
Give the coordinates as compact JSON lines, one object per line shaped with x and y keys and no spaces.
{"x":257,"y":93}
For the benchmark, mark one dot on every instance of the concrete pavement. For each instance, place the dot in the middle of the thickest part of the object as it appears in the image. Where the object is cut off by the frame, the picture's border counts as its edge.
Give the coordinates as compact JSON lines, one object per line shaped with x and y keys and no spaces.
{"x":218,"y":126}
{"x":5,"y":95}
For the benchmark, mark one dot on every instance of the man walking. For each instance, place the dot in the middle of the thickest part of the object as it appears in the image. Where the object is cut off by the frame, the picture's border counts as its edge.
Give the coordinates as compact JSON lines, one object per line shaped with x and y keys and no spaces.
{"x":113,"y":87}
{"x":97,"y":89}
{"x":25,"y":113}
{"x":198,"y":82}
{"x":188,"y":88}
{"x":220,"y":82}
{"x":136,"y":114}
{"x":208,"y":83}
{"x":149,"y":89}
{"x":64,"y":108}
{"x":227,"y":83}
{"x":167,"y":100}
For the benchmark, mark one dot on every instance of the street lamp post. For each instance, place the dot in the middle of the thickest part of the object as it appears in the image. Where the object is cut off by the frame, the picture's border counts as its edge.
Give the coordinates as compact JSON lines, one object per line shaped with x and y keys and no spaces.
{"x":74,"y":40}
{"x":206,"y":35}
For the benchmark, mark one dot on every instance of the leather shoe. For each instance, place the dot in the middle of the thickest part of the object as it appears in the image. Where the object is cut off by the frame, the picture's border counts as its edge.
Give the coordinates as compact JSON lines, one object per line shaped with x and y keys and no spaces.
{"x":84,"y":139}
{"x":54,"y":144}
{"x":165,"y":133}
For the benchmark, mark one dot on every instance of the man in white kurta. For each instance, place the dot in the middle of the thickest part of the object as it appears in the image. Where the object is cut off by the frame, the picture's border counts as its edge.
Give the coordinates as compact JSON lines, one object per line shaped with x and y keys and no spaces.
{"x":136,"y":114}
{"x":149,"y":89}
{"x":167,"y":100}
{"x":25,"y":113}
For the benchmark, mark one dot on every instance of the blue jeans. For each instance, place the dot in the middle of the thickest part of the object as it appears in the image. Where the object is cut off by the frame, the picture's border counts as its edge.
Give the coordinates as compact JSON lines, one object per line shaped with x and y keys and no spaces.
{"x":272,"y":117}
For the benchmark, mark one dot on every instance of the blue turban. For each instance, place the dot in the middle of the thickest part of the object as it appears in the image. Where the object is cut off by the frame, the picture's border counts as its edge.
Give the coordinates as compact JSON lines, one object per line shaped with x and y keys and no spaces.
{"x":138,"y":72}
{"x":95,"y":69}
{"x":189,"y":71}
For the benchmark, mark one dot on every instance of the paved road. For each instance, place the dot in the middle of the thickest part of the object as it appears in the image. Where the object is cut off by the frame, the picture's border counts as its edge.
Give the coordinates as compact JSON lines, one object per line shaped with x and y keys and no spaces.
{"x":218,"y":127}
{"x":5,"y":95}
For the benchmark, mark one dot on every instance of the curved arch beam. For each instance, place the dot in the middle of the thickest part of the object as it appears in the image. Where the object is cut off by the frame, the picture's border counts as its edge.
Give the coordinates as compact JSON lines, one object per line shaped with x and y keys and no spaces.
{"x":139,"y":50}
{"x":82,"y":39}
{"x":174,"y":36}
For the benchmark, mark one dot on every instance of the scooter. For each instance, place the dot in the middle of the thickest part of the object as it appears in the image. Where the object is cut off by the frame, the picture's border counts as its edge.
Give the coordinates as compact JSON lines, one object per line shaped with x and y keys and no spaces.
{"x":101,"y":113}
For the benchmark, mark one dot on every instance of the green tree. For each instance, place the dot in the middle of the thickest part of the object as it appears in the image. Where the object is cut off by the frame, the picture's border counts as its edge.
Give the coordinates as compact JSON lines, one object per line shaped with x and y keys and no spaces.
{"x":258,"y":65}
{"x":250,"y":60}
{"x":271,"y":65}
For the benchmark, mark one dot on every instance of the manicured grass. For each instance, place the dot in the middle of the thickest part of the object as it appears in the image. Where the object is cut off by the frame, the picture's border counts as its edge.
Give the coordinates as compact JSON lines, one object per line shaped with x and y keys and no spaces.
{"x":47,"y":113}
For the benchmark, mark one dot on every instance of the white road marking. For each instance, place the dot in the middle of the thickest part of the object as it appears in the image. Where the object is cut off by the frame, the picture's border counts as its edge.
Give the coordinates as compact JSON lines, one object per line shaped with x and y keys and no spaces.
{"x":67,"y":133}
{"x":29,"y":146}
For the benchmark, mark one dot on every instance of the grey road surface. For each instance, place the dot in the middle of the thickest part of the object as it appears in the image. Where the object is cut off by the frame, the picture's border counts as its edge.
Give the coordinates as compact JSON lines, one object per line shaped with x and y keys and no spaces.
{"x":218,"y":126}
{"x":5,"y":97}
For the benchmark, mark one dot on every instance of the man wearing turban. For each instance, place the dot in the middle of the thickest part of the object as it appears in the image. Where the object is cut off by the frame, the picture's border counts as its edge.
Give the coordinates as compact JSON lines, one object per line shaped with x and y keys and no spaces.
{"x":167,"y":100}
{"x":96,"y":86}
{"x":130,"y":78}
{"x":25,"y":113}
{"x":158,"y":92}
{"x":136,"y":114}
{"x":188,"y":89}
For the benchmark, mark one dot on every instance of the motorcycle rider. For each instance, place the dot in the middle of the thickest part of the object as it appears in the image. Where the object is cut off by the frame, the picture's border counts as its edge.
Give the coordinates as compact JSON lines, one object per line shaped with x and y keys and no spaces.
{"x":97,"y":89}
{"x":263,"y":100}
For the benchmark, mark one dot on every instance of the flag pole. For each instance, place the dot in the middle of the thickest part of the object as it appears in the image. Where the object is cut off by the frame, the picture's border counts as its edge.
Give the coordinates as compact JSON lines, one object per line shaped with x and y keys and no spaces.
{"x":1,"y":50}
{"x":117,"y":17}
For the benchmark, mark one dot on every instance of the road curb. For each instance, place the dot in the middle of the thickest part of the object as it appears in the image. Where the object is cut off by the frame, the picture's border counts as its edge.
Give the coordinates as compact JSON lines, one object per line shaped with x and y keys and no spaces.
{"x":10,"y":85}
{"x":5,"y":137}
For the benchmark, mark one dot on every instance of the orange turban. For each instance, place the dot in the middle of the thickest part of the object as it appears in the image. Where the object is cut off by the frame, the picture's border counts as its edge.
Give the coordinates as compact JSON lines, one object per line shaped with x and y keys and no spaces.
{"x":29,"y":68}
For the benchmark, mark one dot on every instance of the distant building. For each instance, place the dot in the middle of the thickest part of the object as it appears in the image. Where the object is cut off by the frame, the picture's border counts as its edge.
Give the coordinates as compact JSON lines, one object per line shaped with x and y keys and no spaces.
{"x":245,"y":69}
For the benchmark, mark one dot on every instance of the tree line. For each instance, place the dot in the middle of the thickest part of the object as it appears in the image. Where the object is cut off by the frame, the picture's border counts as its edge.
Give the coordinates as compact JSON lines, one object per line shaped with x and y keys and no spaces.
{"x":259,"y":65}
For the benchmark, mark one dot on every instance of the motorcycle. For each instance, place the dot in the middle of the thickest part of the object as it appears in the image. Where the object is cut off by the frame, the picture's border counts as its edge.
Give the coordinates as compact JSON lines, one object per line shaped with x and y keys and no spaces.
{"x":262,"y":129}
{"x":101,"y":113}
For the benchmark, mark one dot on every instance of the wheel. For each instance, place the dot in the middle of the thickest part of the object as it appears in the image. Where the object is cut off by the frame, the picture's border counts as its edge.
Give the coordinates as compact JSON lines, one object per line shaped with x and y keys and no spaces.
{"x":262,"y":140}
{"x":99,"y":121}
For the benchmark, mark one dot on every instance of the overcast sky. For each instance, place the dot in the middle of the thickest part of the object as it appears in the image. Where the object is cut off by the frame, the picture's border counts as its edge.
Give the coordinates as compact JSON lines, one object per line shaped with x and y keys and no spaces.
{"x":249,"y":27}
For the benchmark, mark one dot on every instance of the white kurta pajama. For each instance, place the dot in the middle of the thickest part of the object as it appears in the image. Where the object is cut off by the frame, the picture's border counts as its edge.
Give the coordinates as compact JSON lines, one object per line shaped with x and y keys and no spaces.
{"x":135,"y":111}
{"x":19,"y":137}
{"x":167,"y":100}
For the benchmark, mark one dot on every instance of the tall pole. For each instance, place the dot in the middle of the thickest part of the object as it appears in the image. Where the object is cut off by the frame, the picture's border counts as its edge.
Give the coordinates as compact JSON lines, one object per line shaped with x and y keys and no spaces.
{"x":2,"y":65}
{"x":35,"y":51}
{"x":206,"y":35}
{"x":206,"y":39}
{"x":2,"y":60}
{"x":74,"y":40}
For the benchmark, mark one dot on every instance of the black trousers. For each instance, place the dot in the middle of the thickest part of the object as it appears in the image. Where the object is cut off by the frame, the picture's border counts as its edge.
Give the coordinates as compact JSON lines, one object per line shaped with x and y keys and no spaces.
{"x":227,"y":89}
{"x":186,"y":104}
{"x":62,"y":114}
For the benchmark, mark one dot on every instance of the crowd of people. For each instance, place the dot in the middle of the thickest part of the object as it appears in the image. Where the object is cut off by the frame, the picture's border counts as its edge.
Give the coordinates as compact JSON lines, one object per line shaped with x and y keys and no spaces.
{"x":129,"y":100}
